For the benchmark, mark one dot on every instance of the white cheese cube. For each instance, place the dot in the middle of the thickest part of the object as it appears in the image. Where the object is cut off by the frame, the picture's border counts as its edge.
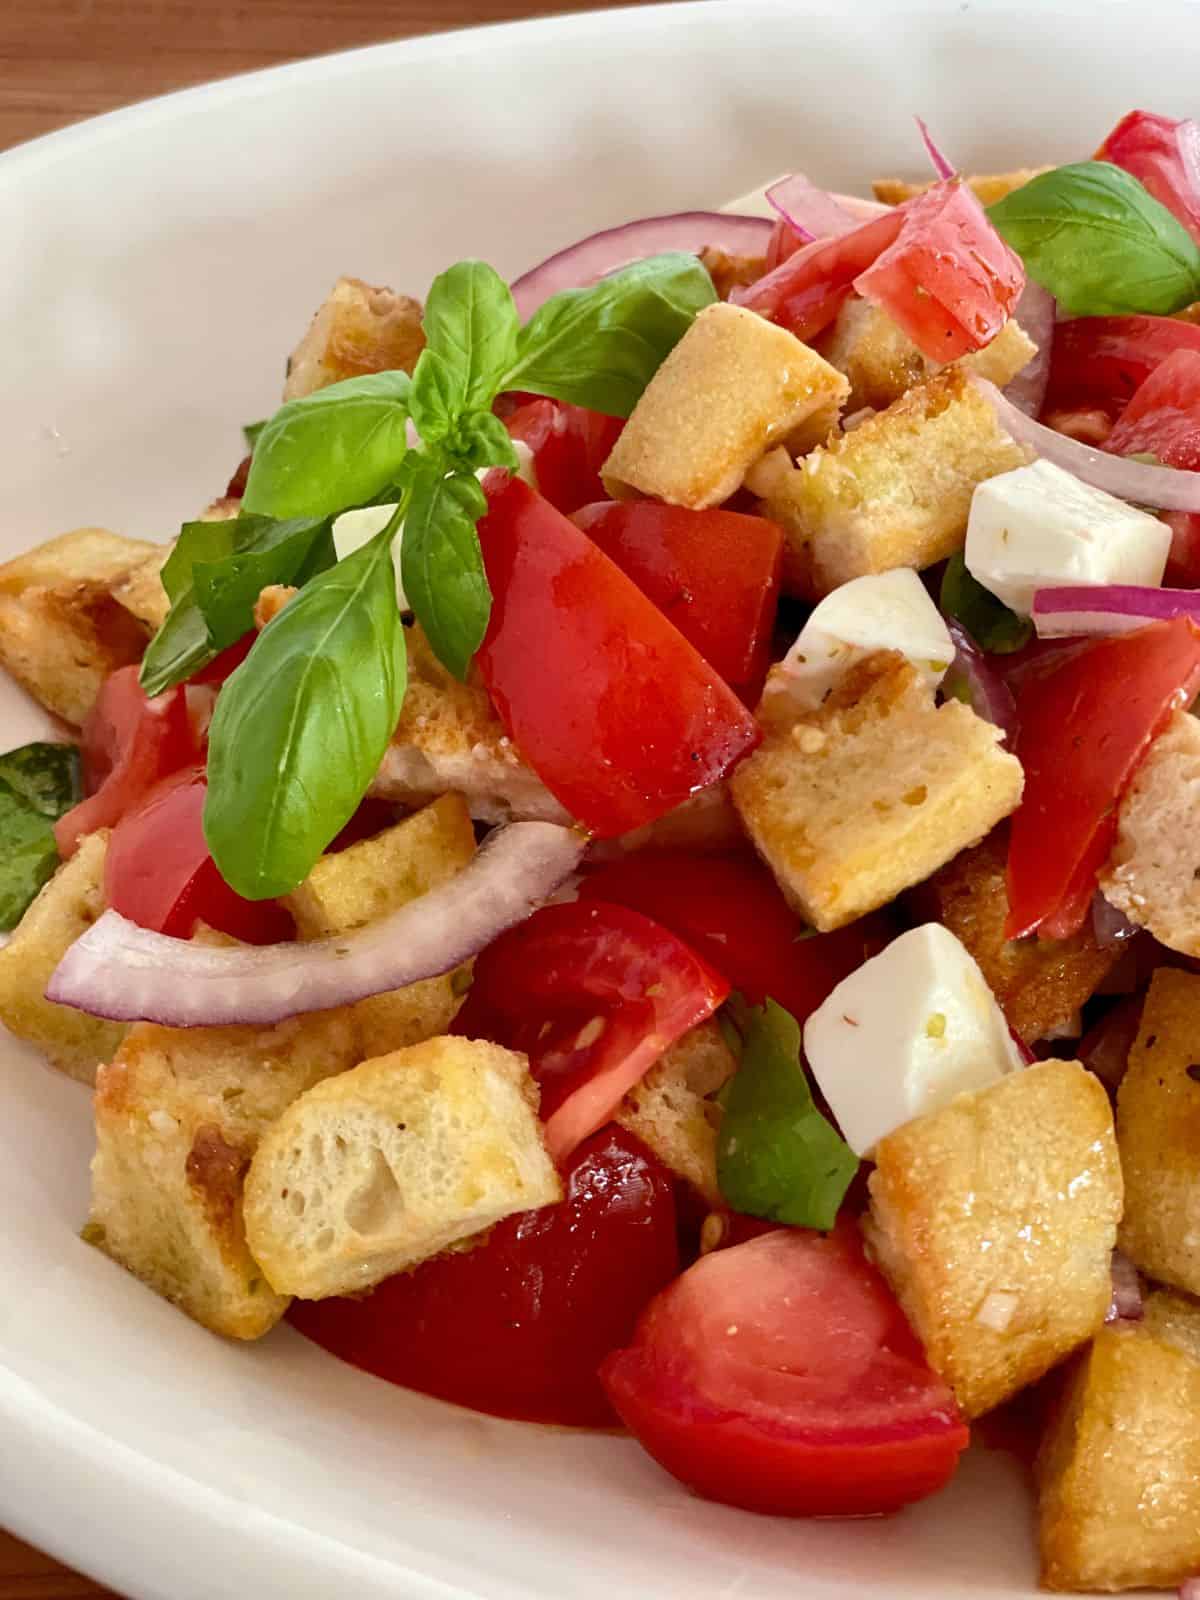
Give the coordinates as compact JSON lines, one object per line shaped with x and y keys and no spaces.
{"x":1039,"y":526}
{"x":883,"y":611}
{"x":913,"y":1027}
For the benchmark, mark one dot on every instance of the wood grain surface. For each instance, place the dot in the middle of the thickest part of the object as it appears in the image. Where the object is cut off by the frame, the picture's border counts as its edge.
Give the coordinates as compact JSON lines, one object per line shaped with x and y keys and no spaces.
{"x":62,"y":60}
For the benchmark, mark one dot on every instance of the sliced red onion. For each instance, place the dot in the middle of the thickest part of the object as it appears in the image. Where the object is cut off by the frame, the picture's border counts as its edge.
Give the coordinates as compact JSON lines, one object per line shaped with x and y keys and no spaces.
{"x":1111,"y":926}
{"x":865,"y":210}
{"x":942,"y":166}
{"x":810,"y":212}
{"x":121,"y":971}
{"x":1189,"y":1589}
{"x":1166,"y":488}
{"x":987,"y":693}
{"x":1126,"y":1304}
{"x":1079,"y":610}
{"x":587,"y":260}
{"x":1034,"y":313}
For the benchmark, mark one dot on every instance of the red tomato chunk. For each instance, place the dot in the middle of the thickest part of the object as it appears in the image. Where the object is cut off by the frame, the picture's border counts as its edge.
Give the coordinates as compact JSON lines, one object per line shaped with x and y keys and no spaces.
{"x":569,"y":447}
{"x":781,"y":1376}
{"x":1148,"y":146}
{"x":519,"y":1325}
{"x":1097,"y":363}
{"x":1163,"y":417}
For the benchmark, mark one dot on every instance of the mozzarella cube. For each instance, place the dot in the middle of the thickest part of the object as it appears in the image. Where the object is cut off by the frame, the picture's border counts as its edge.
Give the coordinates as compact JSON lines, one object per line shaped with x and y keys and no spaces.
{"x":913,"y":1027}
{"x":1039,"y":526}
{"x":882,"y":611}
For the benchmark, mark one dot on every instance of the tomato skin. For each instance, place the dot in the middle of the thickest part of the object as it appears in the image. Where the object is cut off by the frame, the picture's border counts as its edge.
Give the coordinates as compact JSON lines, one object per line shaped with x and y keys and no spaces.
{"x":159,"y":873}
{"x":616,"y":712}
{"x":128,"y":743}
{"x":1098,"y":362}
{"x":518,"y":1326}
{"x":1183,"y":559}
{"x":628,"y":987}
{"x":780,"y":1376}
{"x":808,"y":288}
{"x":1085,"y":723}
{"x":569,"y":445}
{"x":714,"y":574}
{"x":1163,"y":415}
{"x":1147,"y":146}
{"x":729,"y":909}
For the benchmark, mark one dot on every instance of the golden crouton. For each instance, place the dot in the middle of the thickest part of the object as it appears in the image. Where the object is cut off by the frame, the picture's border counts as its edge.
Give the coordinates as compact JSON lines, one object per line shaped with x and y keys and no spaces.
{"x":179,"y":1113}
{"x":994,"y":1220}
{"x":358,"y":329}
{"x":1153,"y":873}
{"x":64,"y":910}
{"x":61,"y":630}
{"x":893,"y":493}
{"x":374,"y":878}
{"x":1158,"y":1129}
{"x":140,"y":590}
{"x":730,"y":272}
{"x":865,"y":797}
{"x":1040,"y":983}
{"x":1119,"y":1468}
{"x":881,"y":361}
{"x":732,"y":387}
{"x":671,"y":1111}
{"x":988,"y":187}
{"x":393,"y":1163}
{"x":449,"y":737}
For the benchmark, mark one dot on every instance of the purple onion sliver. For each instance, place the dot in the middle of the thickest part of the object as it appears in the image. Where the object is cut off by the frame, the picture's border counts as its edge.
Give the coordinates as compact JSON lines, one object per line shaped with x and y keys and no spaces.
{"x":810,"y":212}
{"x":988,"y":694}
{"x":1126,"y":1304}
{"x":1071,"y":610}
{"x":1034,"y":313}
{"x":1111,"y":927}
{"x":940,"y":163}
{"x":130,"y":974}
{"x":592,"y":258}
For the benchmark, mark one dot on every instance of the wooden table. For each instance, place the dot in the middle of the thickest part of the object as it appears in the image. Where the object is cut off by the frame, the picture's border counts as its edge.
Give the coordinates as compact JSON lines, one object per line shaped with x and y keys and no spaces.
{"x":62,"y":60}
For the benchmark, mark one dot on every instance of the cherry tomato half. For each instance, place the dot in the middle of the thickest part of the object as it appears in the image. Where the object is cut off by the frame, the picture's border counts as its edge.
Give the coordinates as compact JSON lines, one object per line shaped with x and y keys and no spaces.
{"x":569,"y":445}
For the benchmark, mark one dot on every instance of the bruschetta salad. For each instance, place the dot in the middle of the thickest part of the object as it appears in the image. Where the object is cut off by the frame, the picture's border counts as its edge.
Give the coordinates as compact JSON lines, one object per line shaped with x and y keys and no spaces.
{"x":641,"y":865}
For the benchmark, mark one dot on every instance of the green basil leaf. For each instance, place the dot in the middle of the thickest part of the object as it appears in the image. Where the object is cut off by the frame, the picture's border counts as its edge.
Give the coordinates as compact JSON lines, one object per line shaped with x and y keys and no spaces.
{"x":251,"y":431}
{"x":38,"y":784}
{"x":1101,"y":244}
{"x":990,"y":623}
{"x":777,"y":1156}
{"x":213,"y":577}
{"x":331,"y":450}
{"x":470,"y":327}
{"x":301,"y":727}
{"x":482,"y":440}
{"x":599,"y":347}
{"x":441,"y":565}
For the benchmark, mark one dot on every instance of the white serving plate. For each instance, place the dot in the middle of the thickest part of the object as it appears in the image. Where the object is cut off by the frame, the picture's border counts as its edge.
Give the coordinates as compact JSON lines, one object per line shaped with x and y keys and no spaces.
{"x":157,"y":265}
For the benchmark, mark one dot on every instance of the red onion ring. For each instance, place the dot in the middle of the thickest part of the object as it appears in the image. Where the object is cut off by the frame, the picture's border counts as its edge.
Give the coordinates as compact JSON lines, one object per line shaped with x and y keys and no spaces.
{"x":586,"y":260}
{"x":1079,"y":611}
{"x":1034,"y":313}
{"x":941,"y":165}
{"x":1166,"y":488}
{"x":1111,"y":927}
{"x":987,"y":693}
{"x":121,"y":971}
{"x":810,"y":212}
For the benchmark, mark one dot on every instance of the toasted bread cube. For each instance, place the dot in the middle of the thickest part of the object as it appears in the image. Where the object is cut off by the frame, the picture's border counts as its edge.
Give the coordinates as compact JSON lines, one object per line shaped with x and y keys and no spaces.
{"x":895,"y":492}
{"x":1040,"y":983}
{"x":63,"y":911}
{"x":994,"y":1220}
{"x":179,"y":1114}
{"x":988,"y":187}
{"x":140,"y":589}
{"x":732,"y":387}
{"x":672,"y":1111}
{"x":881,"y":361}
{"x":1153,"y":873}
{"x":866,"y":796}
{"x":1119,"y":1467}
{"x":1158,"y":1129}
{"x":374,"y":878}
{"x":61,"y":630}
{"x":358,"y":329}
{"x":393,"y":1163}
{"x":449,"y":737}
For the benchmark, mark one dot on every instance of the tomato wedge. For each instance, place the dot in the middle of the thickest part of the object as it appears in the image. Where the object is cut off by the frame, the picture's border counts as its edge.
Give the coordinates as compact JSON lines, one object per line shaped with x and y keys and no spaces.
{"x":781,"y":1376}
{"x":620,"y":717}
{"x":729,"y":909}
{"x":159,"y":873}
{"x":935,"y":264}
{"x":129,"y":743}
{"x":1084,"y":725}
{"x":569,"y":447}
{"x":519,"y":1325}
{"x":1097,"y":363}
{"x":1163,"y":416}
{"x":592,"y":994}
{"x":1150,"y":147}
{"x":714,"y":574}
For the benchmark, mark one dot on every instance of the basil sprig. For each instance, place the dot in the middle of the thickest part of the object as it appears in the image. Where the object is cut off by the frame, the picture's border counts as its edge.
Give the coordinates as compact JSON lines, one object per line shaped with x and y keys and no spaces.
{"x":989,"y":621}
{"x":777,"y":1156}
{"x":38,"y":784}
{"x":1100,"y":242}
